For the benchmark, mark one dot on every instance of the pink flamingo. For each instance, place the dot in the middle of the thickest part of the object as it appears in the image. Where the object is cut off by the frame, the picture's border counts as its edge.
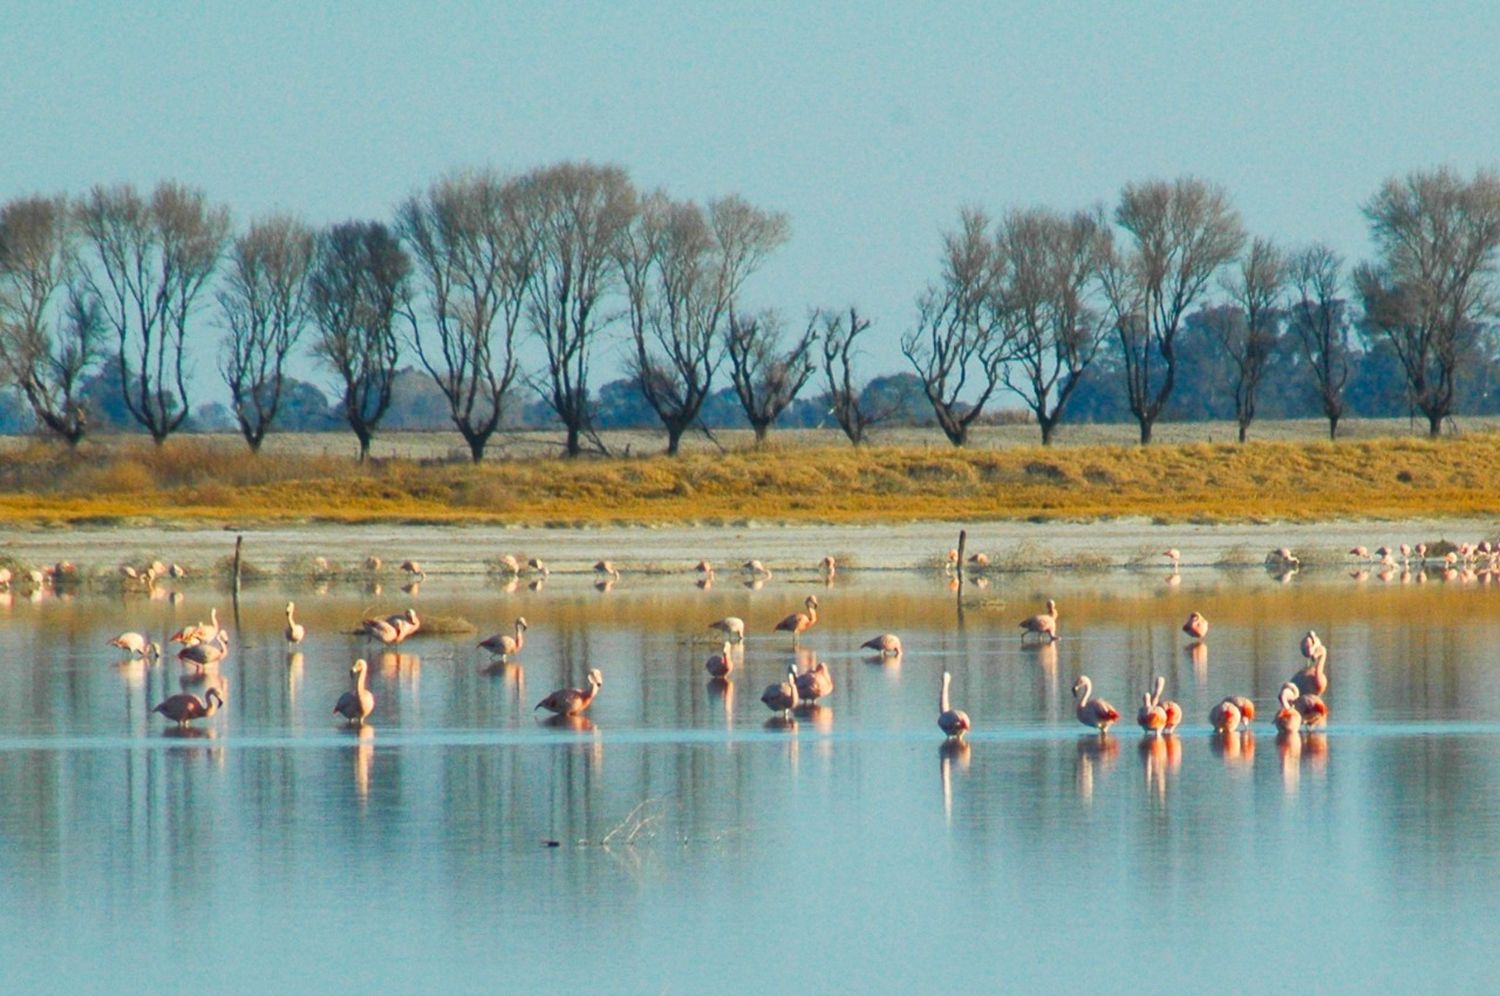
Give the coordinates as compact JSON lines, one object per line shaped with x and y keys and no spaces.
{"x":295,"y":631}
{"x":888,"y":644}
{"x":356,"y":704}
{"x":731,"y":626}
{"x":1151,"y":717}
{"x":1288,"y":719}
{"x":572,"y":701}
{"x":800,"y":622}
{"x":1196,"y":626}
{"x":1093,"y":712}
{"x":1171,"y":709}
{"x":1224,"y":717}
{"x":1245,"y":706}
{"x":202,"y":654}
{"x":136,"y":645}
{"x":953,"y":722}
{"x":505,"y":645}
{"x":1041,"y":624}
{"x":1314,"y":677}
{"x":828,"y":567}
{"x":814,"y":683}
{"x":1174,"y":555}
{"x":782,"y":696}
{"x":185,"y":707}
{"x":1313,"y":709}
{"x":720,"y":664}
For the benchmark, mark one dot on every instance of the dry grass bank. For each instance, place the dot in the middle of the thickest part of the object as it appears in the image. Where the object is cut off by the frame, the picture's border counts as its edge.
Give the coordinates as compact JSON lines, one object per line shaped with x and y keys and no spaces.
{"x":198,"y":480}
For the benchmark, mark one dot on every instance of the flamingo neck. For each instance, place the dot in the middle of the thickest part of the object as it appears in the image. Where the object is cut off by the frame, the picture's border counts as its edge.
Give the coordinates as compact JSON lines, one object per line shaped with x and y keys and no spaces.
{"x":1088,"y":689}
{"x":943,"y":696}
{"x":791,"y":679}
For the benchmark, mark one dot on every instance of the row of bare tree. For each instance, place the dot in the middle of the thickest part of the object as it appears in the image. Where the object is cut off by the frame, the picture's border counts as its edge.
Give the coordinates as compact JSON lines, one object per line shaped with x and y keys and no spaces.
{"x":476,"y":261}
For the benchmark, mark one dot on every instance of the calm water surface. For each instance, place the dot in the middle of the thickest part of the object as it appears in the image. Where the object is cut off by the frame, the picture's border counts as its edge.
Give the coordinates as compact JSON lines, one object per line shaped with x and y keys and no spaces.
{"x":704,"y":846}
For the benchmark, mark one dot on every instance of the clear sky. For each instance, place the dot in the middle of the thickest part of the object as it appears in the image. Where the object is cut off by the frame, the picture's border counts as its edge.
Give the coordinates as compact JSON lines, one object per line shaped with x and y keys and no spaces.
{"x":869,"y":124}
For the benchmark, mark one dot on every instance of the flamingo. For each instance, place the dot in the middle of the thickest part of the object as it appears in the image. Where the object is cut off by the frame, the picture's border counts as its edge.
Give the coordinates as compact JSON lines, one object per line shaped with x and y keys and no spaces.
{"x":607,"y":569}
{"x":136,"y":645}
{"x":200,"y":655}
{"x":800,"y":622}
{"x":814,"y":683}
{"x":730,"y":626}
{"x":1288,"y":719}
{"x":756,"y":569}
{"x":888,"y":644}
{"x":372,"y":564}
{"x":503,"y":645}
{"x":1311,"y":645}
{"x":414,"y":569}
{"x":1042,"y":624}
{"x":953,"y":722}
{"x":185,"y":707}
{"x":1152,"y":717}
{"x":720,"y":664}
{"x":201,"y":632}
{"x":295,"y":631}
{"x":704,"y":567}
{"x":1314,"y":677}
{"x":572,"y":701}
{"x":979,"y":560}
{"x":1312,"y":708}
{"x":1170,"y":709}
{"x":405,"y":623}
{"x":536,"y":564}
{"x":1196,"y":626}
{"x":1245,"y":706}
{"x":381,"y":630}
{"x":1093,"y":712}
{"x":1224,"y":717}
{"x":356,"y":704}
{"x":1362,"y":552}
{"x":782,"y":696}
{"x":1175,"y":556}
{"x":828,"y":567}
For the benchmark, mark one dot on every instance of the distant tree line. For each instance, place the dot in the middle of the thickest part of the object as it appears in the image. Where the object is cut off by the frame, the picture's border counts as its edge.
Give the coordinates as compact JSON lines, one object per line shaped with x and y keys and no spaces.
{"x":1162,"y":307}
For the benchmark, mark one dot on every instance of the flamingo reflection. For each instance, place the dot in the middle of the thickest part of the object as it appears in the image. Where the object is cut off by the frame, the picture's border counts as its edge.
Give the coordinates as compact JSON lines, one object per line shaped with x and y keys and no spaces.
{"x":1093,"y":753}
{"x":951,"y":753}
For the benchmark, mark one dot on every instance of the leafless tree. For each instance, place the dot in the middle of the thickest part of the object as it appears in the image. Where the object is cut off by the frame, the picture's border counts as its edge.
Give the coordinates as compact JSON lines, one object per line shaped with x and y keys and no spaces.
{"x":51,"y":332}
{"x":1318,"y":317}
{"x":475,"y":247}
{"x":360,"y":282}
{"x":960,"y":340}
{"x":1182,"y":232}
{"x":840,"y":335}
{"x":264,"y":300}
{"x":766,"y":380}
{"x":1049,"y":262}
{"x":583,"y":213}
{"x":151,"y":259}
{"x":1249,"y":329}
{"x":683,"y":270}
{"x":1438,"y":236}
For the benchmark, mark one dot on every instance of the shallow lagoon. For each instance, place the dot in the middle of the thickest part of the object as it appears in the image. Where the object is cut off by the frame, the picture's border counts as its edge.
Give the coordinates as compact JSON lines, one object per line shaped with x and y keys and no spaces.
{"x":702,"y":847}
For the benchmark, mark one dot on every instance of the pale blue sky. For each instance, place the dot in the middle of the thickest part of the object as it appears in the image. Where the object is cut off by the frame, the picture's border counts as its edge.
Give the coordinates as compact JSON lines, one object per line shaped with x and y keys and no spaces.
{"x":870,"y":125}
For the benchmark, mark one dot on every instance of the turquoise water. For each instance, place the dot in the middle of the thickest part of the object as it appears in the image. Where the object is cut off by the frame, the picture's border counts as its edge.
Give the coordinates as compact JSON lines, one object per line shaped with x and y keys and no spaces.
{"x":683,"y":840}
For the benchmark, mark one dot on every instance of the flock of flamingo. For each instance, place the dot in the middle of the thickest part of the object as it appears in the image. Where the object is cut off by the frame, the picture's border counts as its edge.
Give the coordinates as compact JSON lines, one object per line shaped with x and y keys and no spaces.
{"x":1300,"y":698}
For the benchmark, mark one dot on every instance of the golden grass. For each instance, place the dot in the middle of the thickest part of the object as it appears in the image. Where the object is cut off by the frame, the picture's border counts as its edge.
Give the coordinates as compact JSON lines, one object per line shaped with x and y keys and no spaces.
{"x":123,"y":480}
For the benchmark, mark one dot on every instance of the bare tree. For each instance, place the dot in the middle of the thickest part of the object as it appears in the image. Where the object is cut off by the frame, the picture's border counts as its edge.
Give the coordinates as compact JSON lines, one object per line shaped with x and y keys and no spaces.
{"x":1438,"y":236}
{"x":1248,"y":331}
{"x":583,"y":213}
{"x":264,"y":301}
{"x":1183,"y":231}
{"x":766,"y":380}
{"x":475,"y":247}
{"x":1318,"y":317}
{"x":1048,"y":263}
{"x":683,"y":271}
{"x":840,"y":335}
{"x":152,"y":259}
{"x":359,"y":284}
{"x":960,"y":339}
{"x":51,"y":331}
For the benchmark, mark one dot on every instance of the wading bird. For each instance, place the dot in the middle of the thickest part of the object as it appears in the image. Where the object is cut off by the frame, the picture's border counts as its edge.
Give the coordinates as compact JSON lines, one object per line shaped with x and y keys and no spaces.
{"x":572,"y":701}
{"x":1041,"y":624}
{"x":800,"y":622}
{"x":953,"y":722}
{"x":1091,"y":711}
{"x":185,"y":707}
{"x":505,"y":645}
{"x":358,"y":702}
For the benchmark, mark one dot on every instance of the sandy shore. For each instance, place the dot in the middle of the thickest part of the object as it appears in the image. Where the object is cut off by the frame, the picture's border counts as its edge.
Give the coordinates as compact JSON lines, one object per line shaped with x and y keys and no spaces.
{"x":462,"y":550}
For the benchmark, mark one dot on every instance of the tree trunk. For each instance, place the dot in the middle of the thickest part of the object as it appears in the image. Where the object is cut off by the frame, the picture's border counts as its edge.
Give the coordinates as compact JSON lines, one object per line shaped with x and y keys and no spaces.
{"x":1434,"y":425}
{"x":254,"y":444}
{"x":1244,"y":429}
{"x":761,"y":431}
{"x":476,"y":441}
{"x":574,"y":447}
{"x":1333,"y":427}
{"x":1146,"y":424}
{"x":1047,"y":425}
{"x":363,"y":435}
{"x":674,"y":439}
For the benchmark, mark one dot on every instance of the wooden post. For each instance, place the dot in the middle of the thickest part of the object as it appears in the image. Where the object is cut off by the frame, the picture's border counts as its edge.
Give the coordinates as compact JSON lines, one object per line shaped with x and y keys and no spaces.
{"x":239,"y":543}
{"x":958,"y":572}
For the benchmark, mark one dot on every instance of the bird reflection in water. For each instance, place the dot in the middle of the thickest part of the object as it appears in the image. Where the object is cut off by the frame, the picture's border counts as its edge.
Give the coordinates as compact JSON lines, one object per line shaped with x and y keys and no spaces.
{"x":578,"y":724}
{"x":1045,"y":656}
{"x":820,"y":716}
{"x":605,"y":585}
{"x":510,"y":584}
{"x":721,"y":691}
{"x":374,"y":588}
{"x":294,"y":666}
{"x":952,"y":753}
{"x":536,"y":584}
{"x":394,"y":665}
{"x":1289,"y":751}
{"x":412,"y":587}
{"x":1315,"y":751}
{"x":1236,"y":747}
{"x":755,"y":583}
{"x":1197,"y":655}
{"x":189,"y":732}
{"x":1096,"y":757}
{"x":364,"y":758}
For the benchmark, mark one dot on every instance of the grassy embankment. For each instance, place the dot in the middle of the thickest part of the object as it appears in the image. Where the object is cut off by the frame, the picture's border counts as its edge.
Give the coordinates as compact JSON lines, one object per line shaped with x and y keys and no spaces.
{"x":125,"y":480}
